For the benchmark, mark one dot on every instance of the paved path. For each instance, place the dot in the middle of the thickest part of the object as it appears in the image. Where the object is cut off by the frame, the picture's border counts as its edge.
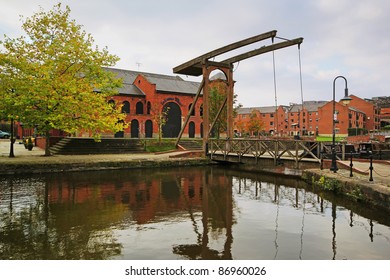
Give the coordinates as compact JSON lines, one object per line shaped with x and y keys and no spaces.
{"x":24,"y":156}
{"x":380,"y":173}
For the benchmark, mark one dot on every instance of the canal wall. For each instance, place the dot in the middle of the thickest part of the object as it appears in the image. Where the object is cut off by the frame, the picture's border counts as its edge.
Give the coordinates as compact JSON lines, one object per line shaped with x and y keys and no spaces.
{"x":355,"y":188}
{"x":55,"y":164}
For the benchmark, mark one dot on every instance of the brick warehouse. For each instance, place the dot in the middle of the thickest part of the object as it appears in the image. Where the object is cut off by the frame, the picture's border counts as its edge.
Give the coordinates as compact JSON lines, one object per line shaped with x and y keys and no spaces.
{"x":144,"y":95}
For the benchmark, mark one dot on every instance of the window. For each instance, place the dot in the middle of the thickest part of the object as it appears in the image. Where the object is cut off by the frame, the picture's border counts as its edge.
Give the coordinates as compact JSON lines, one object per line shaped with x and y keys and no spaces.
{"x":112,"y":103}
{"x":193,"y":112}
{"x":126,"y":107}
{"x":139,"y":108}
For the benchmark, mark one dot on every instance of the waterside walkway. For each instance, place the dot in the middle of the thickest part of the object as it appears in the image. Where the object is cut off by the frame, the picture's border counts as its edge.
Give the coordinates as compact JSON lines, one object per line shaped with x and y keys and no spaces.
{"x":35,"y":162}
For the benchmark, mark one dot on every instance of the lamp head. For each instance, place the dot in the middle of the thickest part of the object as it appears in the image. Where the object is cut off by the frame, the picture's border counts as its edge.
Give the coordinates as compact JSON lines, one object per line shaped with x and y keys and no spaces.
{"x":346,"y":99}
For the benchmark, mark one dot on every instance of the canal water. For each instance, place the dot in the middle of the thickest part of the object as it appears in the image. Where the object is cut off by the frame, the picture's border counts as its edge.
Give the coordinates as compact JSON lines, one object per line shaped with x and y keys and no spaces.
{"x":183,"y":213}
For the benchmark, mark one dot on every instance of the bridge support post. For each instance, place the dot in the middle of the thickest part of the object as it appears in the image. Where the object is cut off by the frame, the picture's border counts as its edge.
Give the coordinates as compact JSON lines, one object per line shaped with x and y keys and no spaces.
{"x":227,"y":69}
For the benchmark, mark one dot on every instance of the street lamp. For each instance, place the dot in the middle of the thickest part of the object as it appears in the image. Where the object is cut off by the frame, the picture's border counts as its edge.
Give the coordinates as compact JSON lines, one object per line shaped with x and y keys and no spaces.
{"x":346,"y":99}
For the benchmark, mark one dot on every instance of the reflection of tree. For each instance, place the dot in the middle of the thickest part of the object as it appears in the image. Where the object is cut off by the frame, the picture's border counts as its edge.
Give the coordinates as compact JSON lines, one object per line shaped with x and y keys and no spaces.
{"x":41,"y":230}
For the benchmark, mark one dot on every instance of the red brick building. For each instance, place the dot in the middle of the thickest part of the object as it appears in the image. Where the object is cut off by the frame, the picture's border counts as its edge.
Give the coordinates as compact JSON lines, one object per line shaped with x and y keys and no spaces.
{"x":385,"y":117}
{"x":372,"y":112}
{"x":285,"y":120}
{"x":271,"y":118}
{"x":144,"y":95}
{"x":347,"y":117}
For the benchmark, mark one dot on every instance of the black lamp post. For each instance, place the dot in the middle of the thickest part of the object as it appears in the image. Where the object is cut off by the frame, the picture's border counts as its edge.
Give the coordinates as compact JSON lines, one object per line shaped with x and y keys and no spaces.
{"x":346,"y":99}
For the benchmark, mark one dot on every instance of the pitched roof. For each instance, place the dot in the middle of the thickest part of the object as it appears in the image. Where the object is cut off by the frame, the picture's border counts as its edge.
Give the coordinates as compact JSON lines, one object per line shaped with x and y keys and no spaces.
{"x":310,"y":106}
{"x":164,"y":83}
{"x":262,"y":110}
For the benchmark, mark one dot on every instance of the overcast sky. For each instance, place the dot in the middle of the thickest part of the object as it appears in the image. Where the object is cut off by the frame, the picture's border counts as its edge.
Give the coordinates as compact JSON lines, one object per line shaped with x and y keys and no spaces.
{"x":341,"y":37}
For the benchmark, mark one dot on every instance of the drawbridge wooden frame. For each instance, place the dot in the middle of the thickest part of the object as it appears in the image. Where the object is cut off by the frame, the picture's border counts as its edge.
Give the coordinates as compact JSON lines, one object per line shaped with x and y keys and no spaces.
{"x":202,"y":65}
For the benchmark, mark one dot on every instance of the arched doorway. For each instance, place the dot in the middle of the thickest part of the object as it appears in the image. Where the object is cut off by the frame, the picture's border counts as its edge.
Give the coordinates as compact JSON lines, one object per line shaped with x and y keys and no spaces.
{"x":191,"y":130}
{"x":173,"y":125}
{"x":134,"y":128}
{"x":148,"y":129}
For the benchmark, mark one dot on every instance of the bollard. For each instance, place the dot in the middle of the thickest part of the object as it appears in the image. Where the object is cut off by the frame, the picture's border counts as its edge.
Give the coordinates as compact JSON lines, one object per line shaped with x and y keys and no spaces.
{"x":371,"y":168}
{"x":350,"y":167}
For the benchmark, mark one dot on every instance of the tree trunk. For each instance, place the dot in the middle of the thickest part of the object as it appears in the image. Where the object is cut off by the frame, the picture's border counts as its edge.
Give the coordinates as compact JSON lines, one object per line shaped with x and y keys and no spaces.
{"x":11,"y":149}
{"x":47,"y":145}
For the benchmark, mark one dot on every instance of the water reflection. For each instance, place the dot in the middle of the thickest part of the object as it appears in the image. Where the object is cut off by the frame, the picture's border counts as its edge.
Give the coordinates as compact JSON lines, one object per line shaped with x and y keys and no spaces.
{"x":182,"y":213}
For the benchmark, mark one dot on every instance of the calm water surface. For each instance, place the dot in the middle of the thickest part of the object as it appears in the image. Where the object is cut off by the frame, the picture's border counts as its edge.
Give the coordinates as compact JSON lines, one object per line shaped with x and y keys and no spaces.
{"x":182,"y":213}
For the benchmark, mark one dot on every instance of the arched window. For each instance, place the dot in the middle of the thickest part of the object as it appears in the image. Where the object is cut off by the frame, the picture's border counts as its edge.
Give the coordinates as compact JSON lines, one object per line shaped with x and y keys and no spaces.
{"x":139,"y":108}
{"x":201,"y":110}
{"x":191,"y":130}
{"x":193,"y":112}
{"x":112,"y":103}
{"x":126,"y":107}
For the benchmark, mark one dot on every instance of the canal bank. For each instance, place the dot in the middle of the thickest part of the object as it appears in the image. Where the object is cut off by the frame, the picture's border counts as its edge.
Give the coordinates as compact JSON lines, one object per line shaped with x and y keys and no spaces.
{"x":27,"y":162}
{"x":358,"y":187}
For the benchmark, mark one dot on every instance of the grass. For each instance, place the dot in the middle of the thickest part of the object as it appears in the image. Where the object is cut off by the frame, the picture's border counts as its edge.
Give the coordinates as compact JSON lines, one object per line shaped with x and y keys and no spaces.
{"x":154,"y":146}
{"x":328,"y":139}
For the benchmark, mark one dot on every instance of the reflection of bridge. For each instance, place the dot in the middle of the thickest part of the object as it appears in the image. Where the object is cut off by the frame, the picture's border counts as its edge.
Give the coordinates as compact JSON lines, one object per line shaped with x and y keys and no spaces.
{"x":253,"y":150}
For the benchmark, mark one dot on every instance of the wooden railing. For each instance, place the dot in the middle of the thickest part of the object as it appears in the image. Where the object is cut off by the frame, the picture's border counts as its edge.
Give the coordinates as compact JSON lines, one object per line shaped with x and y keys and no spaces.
{"x":296,"y":150}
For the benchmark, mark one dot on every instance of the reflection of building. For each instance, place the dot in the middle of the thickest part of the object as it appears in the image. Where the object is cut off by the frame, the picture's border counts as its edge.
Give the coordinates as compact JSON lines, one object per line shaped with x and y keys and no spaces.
{"x":204,"y":197}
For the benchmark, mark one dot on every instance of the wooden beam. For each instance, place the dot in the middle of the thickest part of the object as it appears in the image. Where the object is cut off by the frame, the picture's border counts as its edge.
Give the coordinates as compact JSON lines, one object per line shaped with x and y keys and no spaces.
{"x":190,"y":112}
{"x":262,"y":50}
{"x":217,"y":116}
{"x":194,"y":66}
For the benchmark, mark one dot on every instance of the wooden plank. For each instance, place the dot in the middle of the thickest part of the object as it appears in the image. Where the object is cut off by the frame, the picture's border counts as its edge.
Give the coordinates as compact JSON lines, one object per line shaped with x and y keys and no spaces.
{"x":193,"y":67}
{"x":190,"y":112}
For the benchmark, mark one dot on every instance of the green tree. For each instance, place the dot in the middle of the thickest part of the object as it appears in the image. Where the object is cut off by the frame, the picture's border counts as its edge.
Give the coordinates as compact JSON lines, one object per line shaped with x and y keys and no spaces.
{"x":217,"y":96}
{"x":57,"y":77}
{"x":160,"y":117}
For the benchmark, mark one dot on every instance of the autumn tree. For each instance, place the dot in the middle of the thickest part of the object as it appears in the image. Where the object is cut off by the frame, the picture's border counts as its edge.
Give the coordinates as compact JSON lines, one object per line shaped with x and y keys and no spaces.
{"x":56,"y":77}
{"x":255,"y":124}
{"x":241,"y":127}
